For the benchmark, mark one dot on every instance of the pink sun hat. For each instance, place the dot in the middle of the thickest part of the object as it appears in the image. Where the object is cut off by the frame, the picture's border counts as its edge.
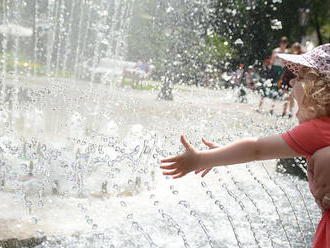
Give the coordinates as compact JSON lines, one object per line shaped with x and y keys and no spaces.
{"x":318,"y":58}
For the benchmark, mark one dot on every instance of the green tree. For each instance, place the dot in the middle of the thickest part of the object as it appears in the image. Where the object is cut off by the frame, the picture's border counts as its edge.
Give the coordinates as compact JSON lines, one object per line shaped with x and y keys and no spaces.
{"x":146,"y":40}
{"x":320,"y":19}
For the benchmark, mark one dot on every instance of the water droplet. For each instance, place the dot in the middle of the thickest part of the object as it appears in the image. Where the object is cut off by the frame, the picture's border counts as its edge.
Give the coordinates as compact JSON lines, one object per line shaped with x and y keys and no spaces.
{"x":40,"y":203}
{"x":28,"y":204}
{"x":184,"y":203}
{"x":100,"y":236}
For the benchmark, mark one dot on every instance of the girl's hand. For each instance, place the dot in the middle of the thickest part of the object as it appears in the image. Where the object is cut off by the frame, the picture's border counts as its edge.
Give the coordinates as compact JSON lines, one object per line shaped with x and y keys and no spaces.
{"x":183,"y":163}
{"x":210,"y":145}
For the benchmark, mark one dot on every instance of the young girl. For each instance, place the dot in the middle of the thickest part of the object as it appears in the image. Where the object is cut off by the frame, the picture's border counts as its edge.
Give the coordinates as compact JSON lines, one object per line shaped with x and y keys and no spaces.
{"x":311,"y":91}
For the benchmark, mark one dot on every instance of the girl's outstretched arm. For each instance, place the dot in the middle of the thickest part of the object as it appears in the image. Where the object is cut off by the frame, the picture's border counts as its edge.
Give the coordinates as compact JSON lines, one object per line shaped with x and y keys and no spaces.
{"x":210,"y":145}
{"x":245,"y":150}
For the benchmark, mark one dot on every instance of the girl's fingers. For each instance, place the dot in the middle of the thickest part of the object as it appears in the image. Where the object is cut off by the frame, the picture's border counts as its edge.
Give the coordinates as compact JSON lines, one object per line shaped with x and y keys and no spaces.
{"x":171,"y":173}
{"x":205,"y":142}
{"x":179,"y":175}
{"x":168,"y":167}
{"x":206,"y":171}
{"x":209,"y":144}
{"x":199,"y":170}
{"x":186,"y":144}
{"x":169,"y":160}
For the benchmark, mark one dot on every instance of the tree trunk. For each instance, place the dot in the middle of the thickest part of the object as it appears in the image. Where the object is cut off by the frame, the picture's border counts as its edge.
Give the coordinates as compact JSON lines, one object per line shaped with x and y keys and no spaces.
{"x":318,"y":28}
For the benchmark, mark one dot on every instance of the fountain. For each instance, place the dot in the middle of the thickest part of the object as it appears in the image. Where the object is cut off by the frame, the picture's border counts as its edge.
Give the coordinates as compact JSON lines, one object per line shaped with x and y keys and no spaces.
{"x":79,"y":159}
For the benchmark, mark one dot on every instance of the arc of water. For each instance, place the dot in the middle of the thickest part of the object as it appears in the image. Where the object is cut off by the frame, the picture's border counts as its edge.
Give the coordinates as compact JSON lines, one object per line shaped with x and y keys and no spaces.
{"x":307,"y":211}
{"x":61,"y":34}
{"x":77,"y":50}
{"x":138,"y":227}
{"x":3,"y":61}
{"x":274,"y":203}
{"x":194,"y":214}
{"x":13,"y":102}
{"x":135,"y":224}
{"x":247,"y":216}
{"x":111,"y":31}
{"x":35,"y":35}
{"x":84,"y":39}
{"x":171,"y":222}
{"x":226,"y":212}
{"x":176,"y":226}
{"x":255,"y":205}
{"x":290,"y":202}
{"x":126,"y":17}
{"x":68,"y":37}
{"x":52,"y":11}
{"x":96,"y":54}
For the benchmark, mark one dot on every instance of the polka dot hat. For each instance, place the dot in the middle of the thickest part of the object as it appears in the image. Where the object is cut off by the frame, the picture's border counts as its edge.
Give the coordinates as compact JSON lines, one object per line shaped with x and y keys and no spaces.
{"x":318,"y":58}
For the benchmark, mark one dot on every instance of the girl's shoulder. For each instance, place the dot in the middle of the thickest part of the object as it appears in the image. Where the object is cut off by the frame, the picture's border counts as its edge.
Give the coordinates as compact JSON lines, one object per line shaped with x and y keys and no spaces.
{"x":324,"y":119}
{"x":322,"y":126}
{"x":322,"y":122}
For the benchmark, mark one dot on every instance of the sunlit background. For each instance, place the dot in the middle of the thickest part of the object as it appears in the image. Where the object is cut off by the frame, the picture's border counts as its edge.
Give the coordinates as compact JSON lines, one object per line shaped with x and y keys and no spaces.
{"x":93,"y":93}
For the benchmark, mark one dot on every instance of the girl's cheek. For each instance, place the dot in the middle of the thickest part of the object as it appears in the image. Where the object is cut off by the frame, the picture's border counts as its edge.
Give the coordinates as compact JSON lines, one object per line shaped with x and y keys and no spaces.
{"x":304,"y":115}
{"x":292,"y":82}
{"x":299,"y":117}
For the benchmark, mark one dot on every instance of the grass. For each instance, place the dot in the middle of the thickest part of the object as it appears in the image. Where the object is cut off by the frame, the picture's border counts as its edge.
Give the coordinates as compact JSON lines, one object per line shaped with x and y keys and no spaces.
{"x":26,"y":66}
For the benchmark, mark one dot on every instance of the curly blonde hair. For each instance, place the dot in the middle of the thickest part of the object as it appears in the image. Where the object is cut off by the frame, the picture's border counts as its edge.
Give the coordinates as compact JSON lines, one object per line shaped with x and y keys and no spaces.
{"x":316,"y":91}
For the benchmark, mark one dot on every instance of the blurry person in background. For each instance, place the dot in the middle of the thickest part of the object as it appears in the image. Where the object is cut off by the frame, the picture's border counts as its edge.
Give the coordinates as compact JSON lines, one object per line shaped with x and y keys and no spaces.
{"x":296,"y":48}
{"x":285,"y":84}
{"x":270,"y":88}
{"x":275,"y":62}
{"x":250,"y":78}
{"x":238,"y":76}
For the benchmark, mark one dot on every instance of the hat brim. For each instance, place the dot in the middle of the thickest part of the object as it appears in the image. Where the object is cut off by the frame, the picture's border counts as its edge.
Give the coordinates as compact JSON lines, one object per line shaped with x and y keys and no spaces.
{"x":294,"y":62}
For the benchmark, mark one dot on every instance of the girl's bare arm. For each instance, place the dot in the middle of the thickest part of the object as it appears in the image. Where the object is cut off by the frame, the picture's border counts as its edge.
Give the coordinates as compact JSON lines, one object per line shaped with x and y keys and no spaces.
{"x":248,"y":150}
{"x":245,"y":150}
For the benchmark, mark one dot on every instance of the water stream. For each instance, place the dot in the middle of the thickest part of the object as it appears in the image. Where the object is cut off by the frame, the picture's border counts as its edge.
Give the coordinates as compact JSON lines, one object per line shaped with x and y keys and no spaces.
{"x":79,"y":158}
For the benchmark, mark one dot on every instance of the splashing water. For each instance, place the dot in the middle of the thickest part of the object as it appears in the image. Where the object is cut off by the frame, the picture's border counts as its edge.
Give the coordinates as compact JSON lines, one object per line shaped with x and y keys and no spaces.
{"x":80,"y":155}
